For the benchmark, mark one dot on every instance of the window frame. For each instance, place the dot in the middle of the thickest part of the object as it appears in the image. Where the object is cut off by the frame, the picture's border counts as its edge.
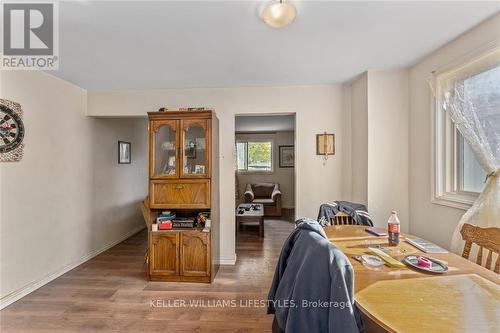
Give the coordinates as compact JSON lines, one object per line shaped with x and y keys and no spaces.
{"x":445,"y":169}
{"x":446,"y":189}
{"x":248,"y":172}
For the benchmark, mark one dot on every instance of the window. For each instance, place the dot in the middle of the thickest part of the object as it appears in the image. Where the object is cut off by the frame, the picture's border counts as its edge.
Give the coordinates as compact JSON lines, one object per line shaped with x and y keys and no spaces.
{"x":470,"y":174}
{"x":458,"y":176}
{"x":254,"y":155}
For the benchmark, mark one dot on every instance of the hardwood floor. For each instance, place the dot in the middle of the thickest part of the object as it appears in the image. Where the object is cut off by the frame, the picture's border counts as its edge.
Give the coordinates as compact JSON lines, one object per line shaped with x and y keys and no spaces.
{"x":110,"y":293}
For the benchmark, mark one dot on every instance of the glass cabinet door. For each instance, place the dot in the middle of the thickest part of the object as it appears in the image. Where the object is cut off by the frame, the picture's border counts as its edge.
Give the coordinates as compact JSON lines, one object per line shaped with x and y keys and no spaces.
{"x":195,"y":148}
{"x":164,"y":145}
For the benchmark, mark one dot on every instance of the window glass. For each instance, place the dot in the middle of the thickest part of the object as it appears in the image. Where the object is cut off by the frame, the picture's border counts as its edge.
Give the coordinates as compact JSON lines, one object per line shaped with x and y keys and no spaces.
{"x":259,"y":156}
{"x":254,"y":156}
{"x":483,"y":90}
{"x":241,"y":155}
{"x":470,"y":174}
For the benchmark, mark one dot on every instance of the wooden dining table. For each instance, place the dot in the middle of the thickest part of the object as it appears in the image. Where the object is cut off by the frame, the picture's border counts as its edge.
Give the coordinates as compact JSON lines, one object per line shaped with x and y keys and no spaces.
{"x":466,"y":298}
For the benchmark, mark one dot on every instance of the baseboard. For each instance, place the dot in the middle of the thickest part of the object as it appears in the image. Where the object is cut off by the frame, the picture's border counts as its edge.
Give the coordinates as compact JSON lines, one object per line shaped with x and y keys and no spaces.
{"x":30,"y":287}
{"x":227,"y":260}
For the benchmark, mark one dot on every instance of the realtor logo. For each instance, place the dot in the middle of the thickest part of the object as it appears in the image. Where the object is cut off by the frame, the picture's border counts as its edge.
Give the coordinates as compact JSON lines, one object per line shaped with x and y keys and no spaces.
{"x":29,"y":36}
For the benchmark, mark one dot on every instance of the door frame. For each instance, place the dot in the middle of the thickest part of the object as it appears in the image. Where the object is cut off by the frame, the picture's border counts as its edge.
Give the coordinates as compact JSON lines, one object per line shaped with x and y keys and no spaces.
{"x":264,"y":114}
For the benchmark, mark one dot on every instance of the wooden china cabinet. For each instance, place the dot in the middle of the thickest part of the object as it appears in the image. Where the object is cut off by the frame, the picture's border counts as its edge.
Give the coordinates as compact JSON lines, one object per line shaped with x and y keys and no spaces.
{"x":183,"y":177}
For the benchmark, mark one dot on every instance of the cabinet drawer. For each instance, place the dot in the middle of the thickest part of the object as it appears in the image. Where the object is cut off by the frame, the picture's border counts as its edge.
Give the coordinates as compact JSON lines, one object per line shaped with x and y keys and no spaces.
{"x":186,"y":193}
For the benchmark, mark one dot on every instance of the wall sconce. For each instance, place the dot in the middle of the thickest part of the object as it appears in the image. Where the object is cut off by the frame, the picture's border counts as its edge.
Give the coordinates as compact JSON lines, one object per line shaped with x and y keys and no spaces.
{"x":325,"y":145}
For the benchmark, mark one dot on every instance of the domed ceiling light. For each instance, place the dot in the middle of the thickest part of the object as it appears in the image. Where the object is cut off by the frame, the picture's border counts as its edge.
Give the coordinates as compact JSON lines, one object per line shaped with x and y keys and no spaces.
{"x":278,"y":14}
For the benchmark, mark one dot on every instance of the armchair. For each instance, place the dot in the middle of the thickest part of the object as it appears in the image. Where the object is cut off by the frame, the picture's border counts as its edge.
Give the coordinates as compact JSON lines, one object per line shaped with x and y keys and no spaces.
{"x":268,"y":194}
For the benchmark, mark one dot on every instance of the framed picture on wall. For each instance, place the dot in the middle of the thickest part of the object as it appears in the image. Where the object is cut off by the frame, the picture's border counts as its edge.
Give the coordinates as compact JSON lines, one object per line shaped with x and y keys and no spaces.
{"x":124,"y":152}
{"x":287,"y":156}
{"x":325,"y":144}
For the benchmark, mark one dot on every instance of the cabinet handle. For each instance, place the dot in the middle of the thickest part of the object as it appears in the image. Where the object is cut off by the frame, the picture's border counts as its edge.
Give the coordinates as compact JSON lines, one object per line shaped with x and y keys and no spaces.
{"x":179,"y":187}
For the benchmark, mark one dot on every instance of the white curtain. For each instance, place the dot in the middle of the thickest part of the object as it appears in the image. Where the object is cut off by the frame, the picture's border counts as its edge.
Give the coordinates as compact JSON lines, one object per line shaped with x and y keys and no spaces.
{"x":471,"y":95}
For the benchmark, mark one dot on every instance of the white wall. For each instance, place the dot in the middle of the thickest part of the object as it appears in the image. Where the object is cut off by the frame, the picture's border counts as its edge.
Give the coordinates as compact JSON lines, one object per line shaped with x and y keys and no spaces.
{"x":432,"y":221}
{"x":317,"y":109}
{"x":283,"y":176}
{"x":68,"y":198}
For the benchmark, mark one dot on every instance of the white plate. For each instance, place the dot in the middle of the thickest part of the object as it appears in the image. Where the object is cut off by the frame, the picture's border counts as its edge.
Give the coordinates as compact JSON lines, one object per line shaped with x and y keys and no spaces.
{"x":372,"y":260}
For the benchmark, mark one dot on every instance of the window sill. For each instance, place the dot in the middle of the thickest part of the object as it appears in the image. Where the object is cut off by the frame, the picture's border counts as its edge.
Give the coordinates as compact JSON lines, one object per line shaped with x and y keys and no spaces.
{"x":456,"y":200}
{"x":255,"y":172}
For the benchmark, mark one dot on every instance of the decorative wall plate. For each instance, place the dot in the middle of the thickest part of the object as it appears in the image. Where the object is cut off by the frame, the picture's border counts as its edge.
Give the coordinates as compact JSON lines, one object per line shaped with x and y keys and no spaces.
{"x":11,"y":131}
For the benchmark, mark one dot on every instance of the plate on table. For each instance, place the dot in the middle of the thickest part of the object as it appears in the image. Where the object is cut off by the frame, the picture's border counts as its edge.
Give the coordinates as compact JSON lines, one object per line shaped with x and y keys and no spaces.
{"x":372,"y":260}
{"x":436,"y":267}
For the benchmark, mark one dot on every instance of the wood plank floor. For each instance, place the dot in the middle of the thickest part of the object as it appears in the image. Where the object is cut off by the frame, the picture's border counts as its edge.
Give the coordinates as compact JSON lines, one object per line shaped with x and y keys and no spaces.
{"x":110,"y":293}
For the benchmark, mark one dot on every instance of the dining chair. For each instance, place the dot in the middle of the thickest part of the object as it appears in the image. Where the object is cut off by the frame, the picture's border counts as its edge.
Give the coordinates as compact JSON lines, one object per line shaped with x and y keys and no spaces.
{"x":487,"y":238}
{"x":342,"y":218}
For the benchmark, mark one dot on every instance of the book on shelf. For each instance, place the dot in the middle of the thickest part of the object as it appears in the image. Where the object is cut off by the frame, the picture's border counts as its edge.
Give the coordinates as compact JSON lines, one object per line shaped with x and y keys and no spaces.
{"x":167,"y":225}
{"x":165,"y":216}
{"x":183,"y":223}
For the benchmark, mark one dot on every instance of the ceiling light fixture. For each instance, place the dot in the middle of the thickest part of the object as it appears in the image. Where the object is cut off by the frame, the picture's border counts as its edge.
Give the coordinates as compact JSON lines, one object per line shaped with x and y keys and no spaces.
{"x":278,"y":14}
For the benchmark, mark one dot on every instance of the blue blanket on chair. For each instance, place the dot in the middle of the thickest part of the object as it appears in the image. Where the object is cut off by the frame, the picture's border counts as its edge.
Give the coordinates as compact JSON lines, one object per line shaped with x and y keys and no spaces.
{"x":356,"y":211}
{"x":312,"y":289}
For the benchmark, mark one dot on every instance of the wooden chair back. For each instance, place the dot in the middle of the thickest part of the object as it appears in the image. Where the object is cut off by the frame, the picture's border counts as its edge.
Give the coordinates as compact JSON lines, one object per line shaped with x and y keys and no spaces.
{"x":342,"y":218}
{"x":485,"y":238}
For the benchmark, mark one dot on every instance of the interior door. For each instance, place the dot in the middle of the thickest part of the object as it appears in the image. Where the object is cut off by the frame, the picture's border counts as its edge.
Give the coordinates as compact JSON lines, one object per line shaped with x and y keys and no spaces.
{"x":195,"y":253}
{"x":164,"y":152}
{"x":165,"y":254}
{"x":195,"y":148}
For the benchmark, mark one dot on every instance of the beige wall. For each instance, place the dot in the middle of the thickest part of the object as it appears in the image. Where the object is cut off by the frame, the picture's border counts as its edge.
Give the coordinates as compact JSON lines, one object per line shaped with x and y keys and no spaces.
{"x":359,"y":139}
{"x":433,"y":221}
{"x":68,"y":198}
{"x":283,"y":176}
{"x":317,"y":109}
{"x":388,"y":146}
{"x":379,"y":143}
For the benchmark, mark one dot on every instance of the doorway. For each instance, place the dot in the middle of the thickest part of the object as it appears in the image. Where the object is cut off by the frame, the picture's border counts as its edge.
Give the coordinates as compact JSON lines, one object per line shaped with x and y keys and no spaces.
{"x":264,"y":174}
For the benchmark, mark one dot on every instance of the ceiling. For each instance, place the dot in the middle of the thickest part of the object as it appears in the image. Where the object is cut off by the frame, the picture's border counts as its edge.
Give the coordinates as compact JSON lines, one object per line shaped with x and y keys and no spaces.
{"x":107,"y":45}
{"x":264,"y":123}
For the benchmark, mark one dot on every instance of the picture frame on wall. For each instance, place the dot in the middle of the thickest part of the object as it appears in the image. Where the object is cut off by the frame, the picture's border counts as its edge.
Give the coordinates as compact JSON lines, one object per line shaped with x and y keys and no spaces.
{"x":325,"y":144}
{"x":287,"y":156}
{"x":124,"y":152}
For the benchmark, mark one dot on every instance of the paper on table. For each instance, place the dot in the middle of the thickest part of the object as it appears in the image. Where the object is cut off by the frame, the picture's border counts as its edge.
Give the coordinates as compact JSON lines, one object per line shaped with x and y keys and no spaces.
{"x":387,"y":258}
